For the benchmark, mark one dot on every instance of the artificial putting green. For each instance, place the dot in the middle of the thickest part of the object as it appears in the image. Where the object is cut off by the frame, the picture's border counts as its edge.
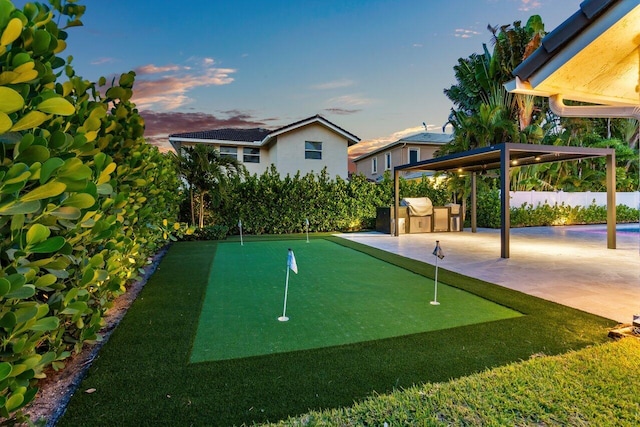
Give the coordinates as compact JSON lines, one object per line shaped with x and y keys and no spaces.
{"x":340,"y":296}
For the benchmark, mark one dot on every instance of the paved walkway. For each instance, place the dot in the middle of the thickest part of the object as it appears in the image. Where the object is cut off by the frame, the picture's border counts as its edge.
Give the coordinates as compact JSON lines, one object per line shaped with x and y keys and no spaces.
{"x":570,"y":265}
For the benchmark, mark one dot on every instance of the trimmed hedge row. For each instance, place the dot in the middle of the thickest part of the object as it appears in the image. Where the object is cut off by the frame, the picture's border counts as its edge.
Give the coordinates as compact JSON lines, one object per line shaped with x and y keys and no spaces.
{"x":527,"y":215}
{"x":83,"y":200}
{"x":270,"y":204}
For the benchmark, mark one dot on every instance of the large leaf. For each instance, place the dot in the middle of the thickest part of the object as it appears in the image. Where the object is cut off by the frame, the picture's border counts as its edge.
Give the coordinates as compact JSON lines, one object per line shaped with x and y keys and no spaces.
{"x":45,"y":281}
{"x":50,"y":189}
{"x":37,"y":233}
{"x":80,"y":200}
{"x":31,"y":120}
{"x":41,"y":41}
{"x":46,"y":324}
{"x":18,"y":207}
{"x":26,"y":291}
{"x":14,"y":402}
{"x":5,"y":122}
{"x":11,"y":32}
{"x":10,"y":100}
{"x":49,"y":167}
{"x":5,"y":286}
{"x":5,"y":370}
{"x":35,"y":153}
{"x":58,"y":105}
{"x":67,"y":212}
{"x":50,"y":245}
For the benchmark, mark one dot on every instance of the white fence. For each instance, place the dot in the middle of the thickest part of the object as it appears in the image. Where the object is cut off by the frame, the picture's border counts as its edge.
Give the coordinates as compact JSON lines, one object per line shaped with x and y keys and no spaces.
{"x":535,"y":198}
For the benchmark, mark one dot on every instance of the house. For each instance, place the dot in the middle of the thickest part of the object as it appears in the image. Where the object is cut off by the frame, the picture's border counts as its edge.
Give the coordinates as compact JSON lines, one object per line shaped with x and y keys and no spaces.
{"x":411,"y":149}
{"x":307,"y":146}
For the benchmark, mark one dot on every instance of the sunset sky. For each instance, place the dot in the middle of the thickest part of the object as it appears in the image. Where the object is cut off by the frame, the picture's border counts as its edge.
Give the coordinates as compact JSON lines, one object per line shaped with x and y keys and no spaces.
{"x":377,"y":68}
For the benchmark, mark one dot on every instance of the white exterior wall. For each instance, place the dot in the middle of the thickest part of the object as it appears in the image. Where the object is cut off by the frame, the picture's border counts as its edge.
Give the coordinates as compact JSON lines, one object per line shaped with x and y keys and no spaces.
{"x":399,"y":156}
{"x":289,"y":155}
{"x":587,"y":198}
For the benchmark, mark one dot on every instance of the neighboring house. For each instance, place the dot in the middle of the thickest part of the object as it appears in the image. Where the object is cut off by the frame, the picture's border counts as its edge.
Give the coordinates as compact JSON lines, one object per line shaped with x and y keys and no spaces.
{"x":306,"y":146}
{"x":411,"y":149}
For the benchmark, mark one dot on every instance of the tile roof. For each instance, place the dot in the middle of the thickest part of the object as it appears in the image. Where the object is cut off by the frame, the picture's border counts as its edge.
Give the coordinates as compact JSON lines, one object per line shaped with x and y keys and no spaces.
{"x":227,"y":134}
{"x":424,"y":138}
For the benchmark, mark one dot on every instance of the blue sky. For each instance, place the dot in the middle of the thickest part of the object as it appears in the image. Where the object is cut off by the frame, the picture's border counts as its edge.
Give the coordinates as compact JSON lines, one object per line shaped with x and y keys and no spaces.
{"x":376,"y":68}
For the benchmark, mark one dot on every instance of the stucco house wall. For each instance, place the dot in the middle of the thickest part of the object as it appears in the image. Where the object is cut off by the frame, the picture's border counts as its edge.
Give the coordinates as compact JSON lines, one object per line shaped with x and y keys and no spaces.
{"x":290,"y":155}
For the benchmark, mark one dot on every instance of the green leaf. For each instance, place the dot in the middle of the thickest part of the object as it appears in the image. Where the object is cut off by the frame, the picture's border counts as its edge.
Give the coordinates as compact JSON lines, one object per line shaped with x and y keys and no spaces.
{"x":48,"y":167}
{"x":41,"y":41}
{"x":8,"y":321}
{"x":67,"y":212}
{"x":45,"y":281}
{"x":10,"y":100}
{"x":80,"y":200}
{"x":5,"y":370}
{"x":31,"y":120}
{"x":35,"y":153}
{"x":18,"y":207}
{"x":27,"y":291}
{"x":58,"y":105}
{"x":5,"y":122}
{"x":14,"y":402}
{"x":75,"y":308}
{"x":51,"y":189}
{"x":37,"y":233}
{"x":52,"y":244}
{"x":5,"y":286}
{"x":46,"y":324}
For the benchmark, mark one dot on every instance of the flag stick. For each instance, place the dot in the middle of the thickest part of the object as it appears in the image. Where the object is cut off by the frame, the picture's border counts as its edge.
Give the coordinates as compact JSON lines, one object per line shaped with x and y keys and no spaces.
{"x":284,"y":317}
{"x":435,"y":297}
{"x":439,"y":255}
{"x":240,"y":227}
{"x":307,"y":224}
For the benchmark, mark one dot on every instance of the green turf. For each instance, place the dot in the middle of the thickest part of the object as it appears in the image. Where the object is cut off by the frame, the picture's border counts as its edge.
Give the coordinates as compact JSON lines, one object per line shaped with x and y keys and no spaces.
{"x":340,"y":296}
{"x":142,"y":375}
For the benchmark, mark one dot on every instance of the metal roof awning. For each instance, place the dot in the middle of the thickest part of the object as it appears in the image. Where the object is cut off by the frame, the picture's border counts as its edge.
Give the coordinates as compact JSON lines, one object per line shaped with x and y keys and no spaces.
{"x":504,"y":157}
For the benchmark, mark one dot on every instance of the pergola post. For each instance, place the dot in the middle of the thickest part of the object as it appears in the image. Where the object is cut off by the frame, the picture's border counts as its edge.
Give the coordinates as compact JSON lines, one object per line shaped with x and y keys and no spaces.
{"x":474,"y":203}
{"x":611,"y":201}
{"x":505,"y":213}
{"x":396,"y":198}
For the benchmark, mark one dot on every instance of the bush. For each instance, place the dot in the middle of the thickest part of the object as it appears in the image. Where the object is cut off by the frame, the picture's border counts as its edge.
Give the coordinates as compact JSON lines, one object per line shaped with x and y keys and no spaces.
{"x":83,"y":199}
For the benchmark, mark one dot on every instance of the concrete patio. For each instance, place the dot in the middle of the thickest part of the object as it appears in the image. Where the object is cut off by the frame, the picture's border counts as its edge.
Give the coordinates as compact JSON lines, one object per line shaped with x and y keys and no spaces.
{"x":570,"y":265}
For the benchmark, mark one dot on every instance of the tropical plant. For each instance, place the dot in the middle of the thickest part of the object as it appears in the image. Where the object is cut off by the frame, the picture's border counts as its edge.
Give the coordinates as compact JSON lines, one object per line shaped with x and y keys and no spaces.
{"x":206,"y":173}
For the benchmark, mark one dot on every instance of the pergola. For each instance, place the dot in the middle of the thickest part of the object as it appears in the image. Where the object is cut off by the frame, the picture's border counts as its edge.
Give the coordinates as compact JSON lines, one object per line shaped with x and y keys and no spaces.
{"x":503,"y":157}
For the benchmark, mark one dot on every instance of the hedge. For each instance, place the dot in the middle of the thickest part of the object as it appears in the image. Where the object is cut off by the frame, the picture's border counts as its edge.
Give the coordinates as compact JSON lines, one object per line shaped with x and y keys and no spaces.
{"x":83,"y":199}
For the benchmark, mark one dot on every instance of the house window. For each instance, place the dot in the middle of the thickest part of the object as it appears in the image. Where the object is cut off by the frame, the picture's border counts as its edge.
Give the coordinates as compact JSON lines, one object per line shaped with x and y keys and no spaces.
{"x":313,"y":150}
{"x":414,"y":155}
{"x":226,"y":151}
{"x":251,"y":155}
{"x":387,"y":161}
{"x":374,"y":165}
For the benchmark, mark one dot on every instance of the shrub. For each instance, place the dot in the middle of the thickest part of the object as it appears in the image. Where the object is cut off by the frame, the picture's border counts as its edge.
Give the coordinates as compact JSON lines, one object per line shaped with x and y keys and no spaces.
{"x":82,"y":198}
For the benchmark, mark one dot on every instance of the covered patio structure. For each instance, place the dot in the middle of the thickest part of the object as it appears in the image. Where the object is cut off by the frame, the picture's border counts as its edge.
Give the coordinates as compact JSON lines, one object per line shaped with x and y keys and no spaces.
{"x":503,"y":157}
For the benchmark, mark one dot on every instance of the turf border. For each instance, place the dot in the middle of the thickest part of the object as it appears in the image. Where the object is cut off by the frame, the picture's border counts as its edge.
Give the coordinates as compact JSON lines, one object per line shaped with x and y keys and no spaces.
{"x":142,"y":375}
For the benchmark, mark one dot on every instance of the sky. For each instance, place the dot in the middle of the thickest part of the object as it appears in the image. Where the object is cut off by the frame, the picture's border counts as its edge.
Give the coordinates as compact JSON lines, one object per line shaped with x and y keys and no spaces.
{"x":376,"y":68}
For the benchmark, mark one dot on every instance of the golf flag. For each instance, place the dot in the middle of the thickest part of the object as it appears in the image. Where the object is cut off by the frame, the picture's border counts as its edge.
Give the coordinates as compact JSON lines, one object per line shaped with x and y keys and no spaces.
{"x":239,"y":223}
{"x":438,"y":250}
{"x":291,"y":262}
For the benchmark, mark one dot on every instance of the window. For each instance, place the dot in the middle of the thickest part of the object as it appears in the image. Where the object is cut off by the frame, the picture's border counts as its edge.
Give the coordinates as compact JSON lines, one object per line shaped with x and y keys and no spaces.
{"x":313,"y":150}
{"x":414,"y":155}
{"x":374,"y":165}
{"x":251,"y":155}
{"x":226,"y":151}
{"x":387,"y":161}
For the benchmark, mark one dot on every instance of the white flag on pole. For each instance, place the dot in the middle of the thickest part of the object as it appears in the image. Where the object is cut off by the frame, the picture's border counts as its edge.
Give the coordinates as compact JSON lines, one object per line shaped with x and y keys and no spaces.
{"x":438,"y":250}
{"x":291,"y":262}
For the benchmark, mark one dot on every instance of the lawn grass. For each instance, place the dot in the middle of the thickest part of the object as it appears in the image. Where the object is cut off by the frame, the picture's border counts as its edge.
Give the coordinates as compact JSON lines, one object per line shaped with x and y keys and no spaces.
{"x":597,"y":386}
{"x":143,"y":376}
{"x":341,"y":296}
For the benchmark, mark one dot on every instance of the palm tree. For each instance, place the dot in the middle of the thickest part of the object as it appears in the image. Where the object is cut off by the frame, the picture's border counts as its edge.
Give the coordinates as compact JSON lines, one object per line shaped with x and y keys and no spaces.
{"x":206,"y":173}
